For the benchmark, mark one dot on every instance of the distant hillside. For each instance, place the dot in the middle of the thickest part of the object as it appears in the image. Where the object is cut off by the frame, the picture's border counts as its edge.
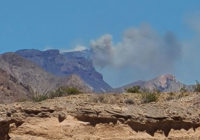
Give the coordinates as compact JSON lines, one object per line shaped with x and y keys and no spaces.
{"x":11,"y":89}
{"x":165,"y":82}
{"x":32,"y":78}
{"x":62,"y":64}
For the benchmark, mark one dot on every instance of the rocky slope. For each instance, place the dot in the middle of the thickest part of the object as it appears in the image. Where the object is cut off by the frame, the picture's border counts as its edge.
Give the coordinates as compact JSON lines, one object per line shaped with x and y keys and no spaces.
{"x":11,"y":89}
{"x":62,"y":64}
{"x":28,"y":78}
{"x":165,"y":82}
{"x":78,"y":117}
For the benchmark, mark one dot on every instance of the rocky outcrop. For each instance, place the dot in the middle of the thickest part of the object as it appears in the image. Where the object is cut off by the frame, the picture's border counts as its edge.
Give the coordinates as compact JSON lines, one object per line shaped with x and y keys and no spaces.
{"x":73,"y":117}
{"x":62,"y":64}
{"x":165,"y":82}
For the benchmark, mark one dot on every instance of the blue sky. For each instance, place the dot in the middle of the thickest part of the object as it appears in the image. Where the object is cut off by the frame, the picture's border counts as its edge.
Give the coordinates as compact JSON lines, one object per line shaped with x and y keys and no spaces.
{"x":41,"y":24}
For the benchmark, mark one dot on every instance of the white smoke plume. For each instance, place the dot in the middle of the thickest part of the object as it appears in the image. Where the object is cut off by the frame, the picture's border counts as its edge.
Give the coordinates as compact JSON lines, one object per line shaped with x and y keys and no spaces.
{"x":140,"y":48}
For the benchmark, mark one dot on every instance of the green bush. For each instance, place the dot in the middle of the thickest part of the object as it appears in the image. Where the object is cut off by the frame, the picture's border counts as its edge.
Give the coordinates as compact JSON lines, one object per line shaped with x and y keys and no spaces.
{"x":197,"y":87}
{"x":133,"y":89}
{"x":39,"y":98}
{"x":72,"y":91}
{"x":148,"y":97}
{"x":63,"y":91}
{"x":183,"y":89}
{"x":171,"y":93}
{"x":58,"y":93}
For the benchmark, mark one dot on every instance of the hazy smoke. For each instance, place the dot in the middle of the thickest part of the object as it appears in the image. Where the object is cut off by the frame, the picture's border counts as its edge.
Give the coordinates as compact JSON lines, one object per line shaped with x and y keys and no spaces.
{"x":140,"y":48}
{"x":102,"y":50}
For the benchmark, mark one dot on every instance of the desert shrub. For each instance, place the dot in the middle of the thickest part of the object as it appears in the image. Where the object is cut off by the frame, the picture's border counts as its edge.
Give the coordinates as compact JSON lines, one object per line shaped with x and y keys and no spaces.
{"x":128,"y":101}
{"x":21,"y":100}
{"x":98,"y":98}
{"x":63,"y":91}
{"x":39,"y":97}
{"x":72,"y":91}
{"x":148,"y":97}
{"x":157,"y":91}
{"x":101,"y":99}
{"x":171,"y":95}
{"x":183,"y":94}
{"x":197,"y":87}
{"x":183,"y":89}
{"x":106,"y":99}
{"x":57,"y":93}
{"x":133,"y":89}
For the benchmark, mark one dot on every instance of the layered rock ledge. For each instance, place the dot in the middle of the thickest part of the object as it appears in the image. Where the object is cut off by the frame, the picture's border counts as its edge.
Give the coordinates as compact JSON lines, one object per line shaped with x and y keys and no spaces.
{"x":77,"y":117}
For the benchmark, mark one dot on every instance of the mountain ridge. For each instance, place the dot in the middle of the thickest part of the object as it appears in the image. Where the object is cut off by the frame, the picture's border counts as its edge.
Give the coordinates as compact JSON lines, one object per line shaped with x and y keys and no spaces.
{"x":61,"y":64}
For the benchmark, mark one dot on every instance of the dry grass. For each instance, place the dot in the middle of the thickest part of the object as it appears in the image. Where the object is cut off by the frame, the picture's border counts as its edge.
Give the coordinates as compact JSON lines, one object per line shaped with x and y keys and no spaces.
{"x":136,"y":98}
{"x":126,"y":98}
{"x":115,"y":98}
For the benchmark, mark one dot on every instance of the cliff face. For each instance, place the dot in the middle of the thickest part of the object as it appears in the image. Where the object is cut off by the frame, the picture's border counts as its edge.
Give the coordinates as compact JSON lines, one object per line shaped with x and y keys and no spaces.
{"x":61,"y":64}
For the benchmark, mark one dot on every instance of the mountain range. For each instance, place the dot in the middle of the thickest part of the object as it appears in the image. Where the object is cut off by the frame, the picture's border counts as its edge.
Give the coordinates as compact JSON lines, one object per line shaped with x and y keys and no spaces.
{"x":21,"y":77}
{"x":27,"y":72}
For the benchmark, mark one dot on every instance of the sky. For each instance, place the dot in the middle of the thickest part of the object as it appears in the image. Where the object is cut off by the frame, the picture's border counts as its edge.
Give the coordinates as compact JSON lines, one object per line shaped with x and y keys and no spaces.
{"x":66,"y":24}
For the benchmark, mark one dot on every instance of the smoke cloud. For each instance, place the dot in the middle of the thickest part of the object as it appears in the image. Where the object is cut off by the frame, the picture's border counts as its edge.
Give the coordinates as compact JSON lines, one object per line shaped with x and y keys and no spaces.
{"x":140,"y":48}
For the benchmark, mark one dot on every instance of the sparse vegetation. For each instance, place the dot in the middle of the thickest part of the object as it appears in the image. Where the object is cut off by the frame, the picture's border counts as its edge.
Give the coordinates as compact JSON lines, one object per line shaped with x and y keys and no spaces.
{"x":128,"y":101}
{"x":62,"y":91}
{"x":21,"y":100}
{"x":157,"y":91}
{"x":39,"y":97}
{"x":101,"y":99}
{"x":72,"y":91}
{"x":197,"y":87}
{"x":148,"y":97}
{"x":183,"y":94}
{"x":57,"y":93}
{"x":133,"y":89}
{"x":171,"y":95}
{"x":183,"y":89}
{"x":107,"y":98}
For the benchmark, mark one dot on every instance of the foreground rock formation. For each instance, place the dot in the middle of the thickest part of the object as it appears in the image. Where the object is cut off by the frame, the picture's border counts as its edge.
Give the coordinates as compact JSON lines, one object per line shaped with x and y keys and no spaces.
{"x":90,"y":117}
